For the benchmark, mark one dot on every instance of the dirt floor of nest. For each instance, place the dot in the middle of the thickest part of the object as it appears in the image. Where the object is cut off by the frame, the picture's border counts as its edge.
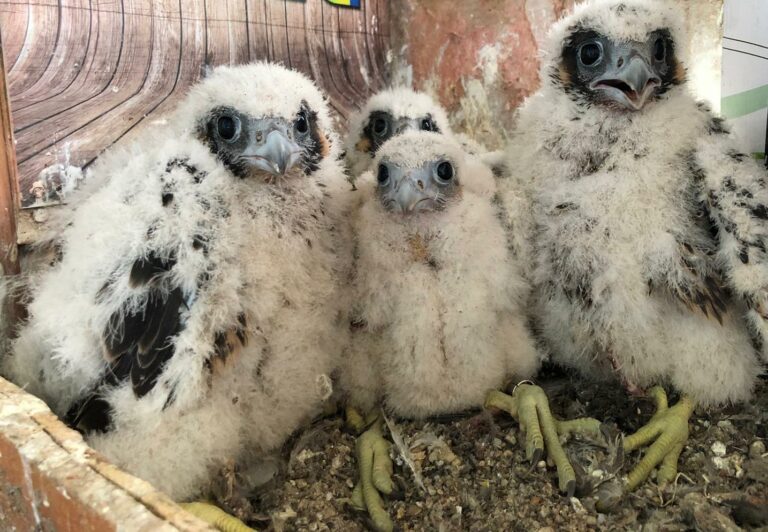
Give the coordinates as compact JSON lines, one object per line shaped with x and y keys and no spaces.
{"x":475,"y":476}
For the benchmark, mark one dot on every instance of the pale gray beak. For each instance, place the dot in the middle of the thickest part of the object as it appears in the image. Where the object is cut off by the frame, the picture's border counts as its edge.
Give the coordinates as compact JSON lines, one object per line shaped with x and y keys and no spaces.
{"x":411,"y":191}
{"x":276,"y":154}
{"x":630,"y":85}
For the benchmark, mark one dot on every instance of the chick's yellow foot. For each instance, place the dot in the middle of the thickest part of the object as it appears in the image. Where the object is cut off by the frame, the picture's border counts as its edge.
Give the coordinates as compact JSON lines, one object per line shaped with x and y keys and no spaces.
{"x":359,"y":422}
{"x":529,"y":405}
{"x":216,"y":517}
{"x":375,"y":467}
{"x":668,"y":432}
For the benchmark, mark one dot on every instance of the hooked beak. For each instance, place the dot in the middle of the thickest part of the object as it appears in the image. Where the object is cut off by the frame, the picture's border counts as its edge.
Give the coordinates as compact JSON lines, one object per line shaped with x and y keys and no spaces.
{"x":410,"y":192}
{"x":631,"y":85}
{"x":276,"y":154}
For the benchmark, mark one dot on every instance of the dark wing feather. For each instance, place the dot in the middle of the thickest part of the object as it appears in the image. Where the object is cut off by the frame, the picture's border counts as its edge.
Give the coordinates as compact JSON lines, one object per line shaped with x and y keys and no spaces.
{"x":124,"y":330}
{"x":155,"y":346}
{"x":145,"y":270}
{"x":138,"y":343}
{"x":700,"y":290}
{"x":92,"y":412}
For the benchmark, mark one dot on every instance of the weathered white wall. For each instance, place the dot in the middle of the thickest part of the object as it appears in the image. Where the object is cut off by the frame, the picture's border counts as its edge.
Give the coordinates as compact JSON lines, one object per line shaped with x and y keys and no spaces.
{"x":745,"y":71}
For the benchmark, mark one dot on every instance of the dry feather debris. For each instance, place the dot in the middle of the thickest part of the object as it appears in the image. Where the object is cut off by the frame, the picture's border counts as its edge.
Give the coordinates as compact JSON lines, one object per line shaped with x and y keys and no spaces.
{"x":403,"y":452}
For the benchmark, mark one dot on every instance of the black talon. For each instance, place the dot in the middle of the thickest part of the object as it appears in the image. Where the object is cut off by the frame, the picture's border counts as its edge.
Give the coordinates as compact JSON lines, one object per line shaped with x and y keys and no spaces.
{"x":398,"y":489}
{"x":570,"y":488}
{"x":538,"y":454}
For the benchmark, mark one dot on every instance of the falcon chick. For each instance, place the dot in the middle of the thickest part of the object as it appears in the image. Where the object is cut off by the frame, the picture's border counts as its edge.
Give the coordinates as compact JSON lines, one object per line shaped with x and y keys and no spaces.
{"x":648,"y":227}
{"x":385,"y":115}
{"x":393,"y":112}
{"x":438,"y":300}
{"x":191,"y":317}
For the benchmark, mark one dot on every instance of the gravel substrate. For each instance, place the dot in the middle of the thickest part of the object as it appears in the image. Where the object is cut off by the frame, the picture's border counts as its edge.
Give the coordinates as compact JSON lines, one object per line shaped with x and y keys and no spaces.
{"x":475,"y":476}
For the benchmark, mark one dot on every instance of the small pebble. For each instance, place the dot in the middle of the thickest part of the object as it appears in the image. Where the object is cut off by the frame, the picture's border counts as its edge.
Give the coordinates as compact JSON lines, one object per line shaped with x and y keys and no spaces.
{"x":720,"y":462}
{"x":718,"y":448}
{"x":577,"y":506}
{"x":413,"y":510}
{"x":725,"y":425}
{"x":757,"y":449}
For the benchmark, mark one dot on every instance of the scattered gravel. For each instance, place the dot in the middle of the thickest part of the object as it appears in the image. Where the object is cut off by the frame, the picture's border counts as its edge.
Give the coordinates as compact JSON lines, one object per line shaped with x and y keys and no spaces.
{"x":476,"y":478}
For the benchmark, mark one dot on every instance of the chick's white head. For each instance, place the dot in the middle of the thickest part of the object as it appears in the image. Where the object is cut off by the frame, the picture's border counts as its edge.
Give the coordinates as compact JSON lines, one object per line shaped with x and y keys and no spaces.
{"x":261,"y":120}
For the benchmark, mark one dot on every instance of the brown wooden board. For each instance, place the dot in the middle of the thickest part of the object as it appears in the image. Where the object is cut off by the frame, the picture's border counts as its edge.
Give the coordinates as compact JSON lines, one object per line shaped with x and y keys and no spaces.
{"x":9,"y":257}
{"x":84,"y":74}
{"x":51,"y":480}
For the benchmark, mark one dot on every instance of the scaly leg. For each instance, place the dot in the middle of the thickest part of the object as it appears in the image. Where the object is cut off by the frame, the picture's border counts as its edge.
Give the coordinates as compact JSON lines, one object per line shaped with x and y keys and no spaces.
{"x":528,"y":404}
{"x":668,"y":430}
{"x":216,"y":517}
{"x":375,"y":468}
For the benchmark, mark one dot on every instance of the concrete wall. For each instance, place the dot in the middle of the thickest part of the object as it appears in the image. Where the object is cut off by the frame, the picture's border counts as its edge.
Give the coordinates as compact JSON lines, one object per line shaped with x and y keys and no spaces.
{"x":480,"y":58}
{"x":745,"y":71}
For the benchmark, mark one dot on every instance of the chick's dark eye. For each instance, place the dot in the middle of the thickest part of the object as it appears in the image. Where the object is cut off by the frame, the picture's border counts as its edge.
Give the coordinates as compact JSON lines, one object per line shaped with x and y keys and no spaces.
{"x":383,"y":175}
{"x":302,"y":125}
{"x":659,"y":49}
{"x":427,"y":125}
{"x":226,"y":126}
{"x":380,"y":126}
{"x":591,"y":53}
{"x":445,"y":171}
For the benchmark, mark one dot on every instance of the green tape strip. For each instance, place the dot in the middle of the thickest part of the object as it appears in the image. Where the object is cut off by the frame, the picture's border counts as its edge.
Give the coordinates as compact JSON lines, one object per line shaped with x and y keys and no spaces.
{"x":745,"y":103}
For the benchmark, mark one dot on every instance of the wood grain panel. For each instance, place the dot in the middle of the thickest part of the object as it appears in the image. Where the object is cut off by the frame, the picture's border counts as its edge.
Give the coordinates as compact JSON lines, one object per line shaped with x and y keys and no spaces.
{"x":277,"y":26}
{"x":226,"y":32}
{"x":296,"y":36}
{"x":85,"y":74}
{"x":15,"y":21}
{"x":40,"y":39}
{"x":97,"y":74}
{"x":377,"y":44}
{"x":72,"y":44}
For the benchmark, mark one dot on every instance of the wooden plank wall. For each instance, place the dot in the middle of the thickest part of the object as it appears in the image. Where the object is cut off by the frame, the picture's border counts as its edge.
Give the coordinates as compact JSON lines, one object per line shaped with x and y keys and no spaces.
{"x":84,"y":74}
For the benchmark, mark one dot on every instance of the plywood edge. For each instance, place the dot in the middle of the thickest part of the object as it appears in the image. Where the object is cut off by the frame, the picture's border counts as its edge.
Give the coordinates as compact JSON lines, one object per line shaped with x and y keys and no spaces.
{"x":51,"y":479}
{"x":9,"y":183}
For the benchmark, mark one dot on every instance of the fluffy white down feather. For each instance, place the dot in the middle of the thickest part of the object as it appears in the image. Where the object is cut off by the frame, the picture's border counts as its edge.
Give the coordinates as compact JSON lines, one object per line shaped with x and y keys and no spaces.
{"x":608,"y":204}
{"x":272,"y":256}
{"x":435,"y":337}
